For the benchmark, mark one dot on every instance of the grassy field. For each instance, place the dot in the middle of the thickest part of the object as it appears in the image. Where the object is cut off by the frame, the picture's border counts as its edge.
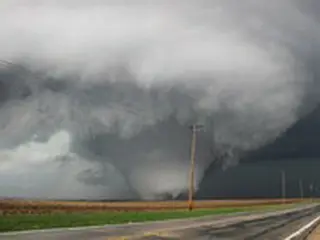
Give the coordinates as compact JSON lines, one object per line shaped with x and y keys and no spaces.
{"x":14,"y":222}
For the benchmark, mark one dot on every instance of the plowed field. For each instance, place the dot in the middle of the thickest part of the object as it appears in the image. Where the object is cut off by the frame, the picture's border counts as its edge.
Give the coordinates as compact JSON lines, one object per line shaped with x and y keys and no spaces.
{"x":45,"y":207}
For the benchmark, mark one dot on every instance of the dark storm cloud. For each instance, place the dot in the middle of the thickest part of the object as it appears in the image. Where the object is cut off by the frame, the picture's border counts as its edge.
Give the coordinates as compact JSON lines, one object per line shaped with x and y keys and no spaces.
{"x":111,"y":88}
{"x":237,"y":182}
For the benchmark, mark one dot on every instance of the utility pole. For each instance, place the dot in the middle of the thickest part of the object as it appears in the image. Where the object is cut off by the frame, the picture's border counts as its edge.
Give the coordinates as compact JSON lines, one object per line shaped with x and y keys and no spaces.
{"x":301,"y":189}
{"x":283,"y":187}
{"x":194,"y":129}
{"x":311,"y":191}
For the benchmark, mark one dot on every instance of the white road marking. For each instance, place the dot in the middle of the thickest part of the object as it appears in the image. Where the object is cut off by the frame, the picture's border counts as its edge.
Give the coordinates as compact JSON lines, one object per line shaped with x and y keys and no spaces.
{"x":303,"y":229}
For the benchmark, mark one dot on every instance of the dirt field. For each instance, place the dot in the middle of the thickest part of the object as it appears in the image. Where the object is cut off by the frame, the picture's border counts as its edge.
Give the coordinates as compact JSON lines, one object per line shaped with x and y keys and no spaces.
{"x":44,"y":207}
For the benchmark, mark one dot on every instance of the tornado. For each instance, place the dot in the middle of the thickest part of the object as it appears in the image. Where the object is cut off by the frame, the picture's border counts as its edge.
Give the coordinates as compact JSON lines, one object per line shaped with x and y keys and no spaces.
{"x":96,"y":97}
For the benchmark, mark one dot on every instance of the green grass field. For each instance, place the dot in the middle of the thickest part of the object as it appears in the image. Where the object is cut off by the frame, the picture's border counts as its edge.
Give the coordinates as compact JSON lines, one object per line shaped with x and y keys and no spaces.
{"x":57,"y":220}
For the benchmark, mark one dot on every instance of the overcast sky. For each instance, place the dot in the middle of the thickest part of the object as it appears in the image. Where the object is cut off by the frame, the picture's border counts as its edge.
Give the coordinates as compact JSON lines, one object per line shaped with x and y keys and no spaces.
{"x":101,"y":93}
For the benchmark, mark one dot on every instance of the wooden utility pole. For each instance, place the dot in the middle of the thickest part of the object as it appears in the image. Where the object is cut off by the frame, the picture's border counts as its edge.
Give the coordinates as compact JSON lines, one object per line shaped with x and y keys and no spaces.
{"x":311,"y":191}
{"x":194,"y":129}
{"x":283,"y":188}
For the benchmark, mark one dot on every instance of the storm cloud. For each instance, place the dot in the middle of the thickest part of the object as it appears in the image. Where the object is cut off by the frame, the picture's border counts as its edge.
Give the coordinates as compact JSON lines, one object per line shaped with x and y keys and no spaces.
{"x":97,"y":96}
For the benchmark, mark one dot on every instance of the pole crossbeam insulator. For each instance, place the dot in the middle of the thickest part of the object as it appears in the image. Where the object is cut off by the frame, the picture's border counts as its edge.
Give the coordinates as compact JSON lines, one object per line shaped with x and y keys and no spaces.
{"x":196,"y":127}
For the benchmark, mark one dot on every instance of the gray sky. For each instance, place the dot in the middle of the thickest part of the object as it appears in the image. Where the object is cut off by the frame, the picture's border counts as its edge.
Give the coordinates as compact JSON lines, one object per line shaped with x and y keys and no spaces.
{"x":114,"y":87}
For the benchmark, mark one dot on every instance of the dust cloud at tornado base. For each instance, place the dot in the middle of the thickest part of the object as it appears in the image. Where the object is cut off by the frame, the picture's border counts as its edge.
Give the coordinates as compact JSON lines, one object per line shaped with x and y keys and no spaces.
{"x":100,"y":96}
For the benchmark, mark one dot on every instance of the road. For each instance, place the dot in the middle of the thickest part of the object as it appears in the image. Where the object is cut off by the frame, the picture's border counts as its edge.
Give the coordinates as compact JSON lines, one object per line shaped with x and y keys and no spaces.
{"x":281,"y":224}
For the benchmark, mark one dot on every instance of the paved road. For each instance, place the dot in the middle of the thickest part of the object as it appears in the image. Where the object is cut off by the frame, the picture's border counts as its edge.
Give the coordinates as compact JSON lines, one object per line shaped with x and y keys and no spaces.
{"x":258,"y":225}
{"x":273,"y":228}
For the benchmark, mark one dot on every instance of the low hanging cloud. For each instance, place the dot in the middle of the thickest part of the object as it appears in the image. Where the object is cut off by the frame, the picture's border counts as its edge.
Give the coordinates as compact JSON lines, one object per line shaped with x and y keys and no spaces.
{"x":99,"y":94}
